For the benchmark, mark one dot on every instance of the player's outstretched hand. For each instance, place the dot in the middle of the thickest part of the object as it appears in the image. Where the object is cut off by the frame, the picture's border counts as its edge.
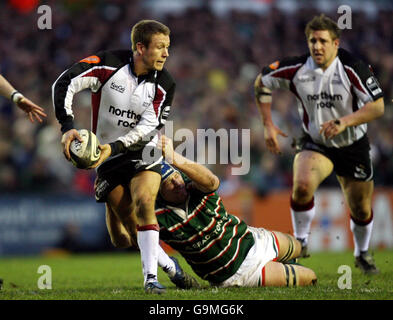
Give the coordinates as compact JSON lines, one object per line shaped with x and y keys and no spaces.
{"x":271,"y":132}
{"x":66,"y":141}
{"x":106,"y":151}
{"x":332,"y":128}
{"x":32,"y":110}
{"x":166,"y":145}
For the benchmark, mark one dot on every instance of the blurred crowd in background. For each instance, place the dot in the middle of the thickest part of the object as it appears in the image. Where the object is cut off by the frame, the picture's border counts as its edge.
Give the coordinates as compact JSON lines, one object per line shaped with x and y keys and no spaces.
{"x":214,"y":60}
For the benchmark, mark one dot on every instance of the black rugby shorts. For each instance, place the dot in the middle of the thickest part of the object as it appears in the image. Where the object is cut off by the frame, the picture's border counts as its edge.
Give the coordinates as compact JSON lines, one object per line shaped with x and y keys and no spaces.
{"x":120,"y":170}
{"x":351,"y":161}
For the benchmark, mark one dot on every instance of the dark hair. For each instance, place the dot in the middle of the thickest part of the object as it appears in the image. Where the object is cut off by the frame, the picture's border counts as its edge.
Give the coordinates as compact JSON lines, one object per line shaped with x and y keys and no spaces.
{"x":322,"y":22}
{"x":144,"y":30}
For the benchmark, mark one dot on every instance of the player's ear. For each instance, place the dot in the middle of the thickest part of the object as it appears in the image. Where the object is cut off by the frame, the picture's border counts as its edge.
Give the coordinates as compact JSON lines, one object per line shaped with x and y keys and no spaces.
{"x":336,"y":42}
{"x":140,"y":48}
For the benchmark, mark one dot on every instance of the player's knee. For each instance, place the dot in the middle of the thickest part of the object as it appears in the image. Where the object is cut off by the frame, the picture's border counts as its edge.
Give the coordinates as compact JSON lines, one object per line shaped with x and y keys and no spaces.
{"x":306,"y":276}
{"x":360,"y":212}
{"x":361,"y":216}
{"x":302,"y":192}
{"x":142,"y":202}
{"x":142,"y":206}
{"x":313,"y":278}
{"x":310,"y":278}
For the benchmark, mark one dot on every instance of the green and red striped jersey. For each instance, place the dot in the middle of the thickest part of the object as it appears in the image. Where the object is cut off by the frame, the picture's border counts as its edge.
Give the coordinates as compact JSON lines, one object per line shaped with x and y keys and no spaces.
{"x":212,"y":241}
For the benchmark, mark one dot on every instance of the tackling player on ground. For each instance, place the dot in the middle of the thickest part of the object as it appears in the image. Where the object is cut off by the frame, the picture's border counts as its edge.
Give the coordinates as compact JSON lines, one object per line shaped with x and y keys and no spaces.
{"x":219,"y":246}
{"x":337,"y":96}
{"x":131,"y":97}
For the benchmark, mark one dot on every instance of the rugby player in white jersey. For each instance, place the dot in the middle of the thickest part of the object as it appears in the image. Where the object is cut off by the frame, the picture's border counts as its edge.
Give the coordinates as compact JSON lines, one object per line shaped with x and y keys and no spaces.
{"x":30,"y":108}
{"x":132,"y":94}
{"x":337,"y":96}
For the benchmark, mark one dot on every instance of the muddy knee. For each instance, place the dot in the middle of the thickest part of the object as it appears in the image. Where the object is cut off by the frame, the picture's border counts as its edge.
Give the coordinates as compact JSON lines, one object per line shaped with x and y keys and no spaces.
{"x":360,"y":209}
{"x":143,"y":203}
{"x":302,"y":193}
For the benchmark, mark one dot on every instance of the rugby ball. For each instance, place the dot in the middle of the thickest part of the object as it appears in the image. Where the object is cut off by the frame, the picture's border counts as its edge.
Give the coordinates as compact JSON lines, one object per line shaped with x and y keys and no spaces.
{"x":86,"y":153}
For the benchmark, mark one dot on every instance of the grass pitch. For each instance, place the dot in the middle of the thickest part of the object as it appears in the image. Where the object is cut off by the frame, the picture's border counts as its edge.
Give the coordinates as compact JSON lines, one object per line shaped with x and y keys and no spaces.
{"x":118,"y":276}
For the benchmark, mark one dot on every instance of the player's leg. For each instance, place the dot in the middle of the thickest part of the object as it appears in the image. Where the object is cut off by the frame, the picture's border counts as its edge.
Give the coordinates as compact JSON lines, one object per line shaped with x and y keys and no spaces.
{"x":358,"y":195}
{"x":287,"y":275}
{"x":310,"y":168}
{"x":259,"y":267}
{"x":119,"y":235}
{"x":288,"y":247}
{"x":144,"y":187}
{"x":120,"y":220}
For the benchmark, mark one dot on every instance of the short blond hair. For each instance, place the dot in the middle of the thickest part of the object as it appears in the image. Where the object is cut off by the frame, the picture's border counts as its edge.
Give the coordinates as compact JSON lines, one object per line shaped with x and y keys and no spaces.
{"x":322,"y":22}
{"x":144,"y":30}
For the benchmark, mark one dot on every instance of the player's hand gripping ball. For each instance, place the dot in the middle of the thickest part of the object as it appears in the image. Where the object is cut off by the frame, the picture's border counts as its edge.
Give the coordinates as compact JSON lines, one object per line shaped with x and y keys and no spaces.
{"x":86,"y":153}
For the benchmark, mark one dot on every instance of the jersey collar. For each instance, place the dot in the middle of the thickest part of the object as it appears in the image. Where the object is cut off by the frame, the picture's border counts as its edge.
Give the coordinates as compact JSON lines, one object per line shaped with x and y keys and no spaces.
{"x":319,"y":70}
{"x":149,"y":77}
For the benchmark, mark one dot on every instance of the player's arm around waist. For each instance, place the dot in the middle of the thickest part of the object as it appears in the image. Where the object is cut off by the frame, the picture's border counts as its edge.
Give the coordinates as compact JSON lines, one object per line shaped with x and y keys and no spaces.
{"x":370,"y":111}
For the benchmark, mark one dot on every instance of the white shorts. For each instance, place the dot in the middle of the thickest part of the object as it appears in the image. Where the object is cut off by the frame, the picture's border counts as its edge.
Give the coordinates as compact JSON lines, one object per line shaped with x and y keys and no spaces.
{"x":251,"y":271}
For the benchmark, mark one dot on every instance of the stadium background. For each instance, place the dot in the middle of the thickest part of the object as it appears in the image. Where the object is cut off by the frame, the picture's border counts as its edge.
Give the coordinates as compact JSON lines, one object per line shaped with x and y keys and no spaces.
{"x":217,"y":48}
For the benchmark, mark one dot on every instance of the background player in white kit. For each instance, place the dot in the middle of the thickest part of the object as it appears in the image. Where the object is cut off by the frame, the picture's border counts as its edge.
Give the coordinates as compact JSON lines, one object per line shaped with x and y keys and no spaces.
{"x":337,"y":96}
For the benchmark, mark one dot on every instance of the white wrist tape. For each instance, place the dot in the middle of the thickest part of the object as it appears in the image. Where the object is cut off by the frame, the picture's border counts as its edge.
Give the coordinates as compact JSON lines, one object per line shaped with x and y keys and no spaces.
{"x":265,"y":99}
{"x":16,"y":96}
{"x":266,"y":96}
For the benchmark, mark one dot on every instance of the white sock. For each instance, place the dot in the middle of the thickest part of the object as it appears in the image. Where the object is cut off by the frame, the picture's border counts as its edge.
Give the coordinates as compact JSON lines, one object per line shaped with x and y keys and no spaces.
{"x":302,"y":216}
{"x":361,"y":236}
{"x":148,"y":242}
{"x":165,"y":262}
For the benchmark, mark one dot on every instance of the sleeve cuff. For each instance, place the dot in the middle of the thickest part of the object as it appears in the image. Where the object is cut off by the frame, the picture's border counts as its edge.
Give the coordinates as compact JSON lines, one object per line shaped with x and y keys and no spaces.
{"x":117,"y":147}
{"x":67,"y":125}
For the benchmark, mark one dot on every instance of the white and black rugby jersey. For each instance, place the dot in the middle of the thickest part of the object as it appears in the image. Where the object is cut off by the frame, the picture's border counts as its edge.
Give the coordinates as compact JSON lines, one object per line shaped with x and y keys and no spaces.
{"x":125,"y":107}
{"x":344,"y":87}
